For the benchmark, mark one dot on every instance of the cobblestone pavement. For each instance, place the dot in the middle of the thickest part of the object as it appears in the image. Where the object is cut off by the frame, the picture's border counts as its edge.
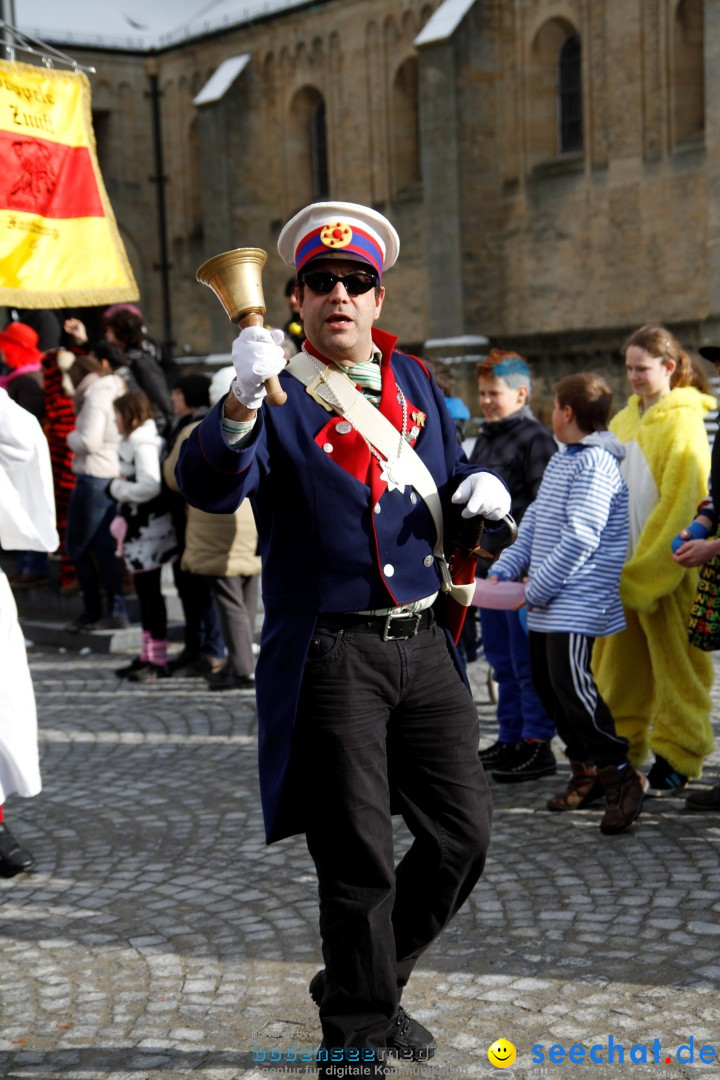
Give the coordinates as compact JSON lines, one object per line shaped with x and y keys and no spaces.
{"x":159,"y":938}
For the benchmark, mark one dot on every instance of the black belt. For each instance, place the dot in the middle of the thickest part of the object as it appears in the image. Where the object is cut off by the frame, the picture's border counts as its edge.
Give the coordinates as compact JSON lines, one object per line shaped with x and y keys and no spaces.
{"x":388,"y":627}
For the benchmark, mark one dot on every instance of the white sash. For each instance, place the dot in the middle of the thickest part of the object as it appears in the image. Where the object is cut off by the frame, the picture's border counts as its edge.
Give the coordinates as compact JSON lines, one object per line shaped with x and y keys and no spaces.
{"x":337,"y":393}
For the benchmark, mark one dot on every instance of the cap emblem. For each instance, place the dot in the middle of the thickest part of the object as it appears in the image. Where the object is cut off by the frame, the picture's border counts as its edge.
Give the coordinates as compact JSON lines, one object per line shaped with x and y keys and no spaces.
{"x":337,"y":235}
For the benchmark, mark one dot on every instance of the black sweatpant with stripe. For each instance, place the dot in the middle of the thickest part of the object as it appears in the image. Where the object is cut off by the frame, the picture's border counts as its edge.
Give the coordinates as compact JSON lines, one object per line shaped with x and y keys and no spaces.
{"x":563,"y":680}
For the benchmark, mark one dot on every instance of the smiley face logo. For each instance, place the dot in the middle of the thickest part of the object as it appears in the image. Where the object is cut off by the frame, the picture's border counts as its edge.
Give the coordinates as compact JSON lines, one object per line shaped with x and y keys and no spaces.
{"x":501,"y":1054}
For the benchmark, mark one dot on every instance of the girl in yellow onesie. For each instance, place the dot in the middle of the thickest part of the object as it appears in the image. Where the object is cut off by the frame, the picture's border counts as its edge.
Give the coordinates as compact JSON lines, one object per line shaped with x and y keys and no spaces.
{"x":656,"y":684}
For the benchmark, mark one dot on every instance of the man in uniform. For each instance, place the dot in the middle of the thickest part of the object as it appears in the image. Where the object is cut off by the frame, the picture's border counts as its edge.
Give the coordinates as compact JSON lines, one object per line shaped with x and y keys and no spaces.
{"x":362,"y":704}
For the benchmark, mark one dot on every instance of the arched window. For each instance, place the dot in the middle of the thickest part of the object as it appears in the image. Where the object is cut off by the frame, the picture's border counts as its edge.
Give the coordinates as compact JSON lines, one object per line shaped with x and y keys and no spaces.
{"x":318,"y":146}
{"x":688,"y":71}
{"x":307,"y":146}
{"x":554,"y":92}
{"x":570,"y":95}
{"x":406,"y":126}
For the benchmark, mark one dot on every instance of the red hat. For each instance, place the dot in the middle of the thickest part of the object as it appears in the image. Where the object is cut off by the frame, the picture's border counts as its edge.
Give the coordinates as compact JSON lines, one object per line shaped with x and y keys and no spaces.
{"x":18,"y":344}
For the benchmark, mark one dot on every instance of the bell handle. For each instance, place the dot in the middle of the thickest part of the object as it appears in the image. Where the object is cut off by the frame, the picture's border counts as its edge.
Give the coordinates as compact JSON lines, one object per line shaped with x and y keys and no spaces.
{"x":275,"y":393}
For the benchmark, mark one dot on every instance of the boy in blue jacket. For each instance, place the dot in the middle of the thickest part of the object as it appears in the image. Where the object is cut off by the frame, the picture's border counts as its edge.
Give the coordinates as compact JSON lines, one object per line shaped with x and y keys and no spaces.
{"x":572,"y":543}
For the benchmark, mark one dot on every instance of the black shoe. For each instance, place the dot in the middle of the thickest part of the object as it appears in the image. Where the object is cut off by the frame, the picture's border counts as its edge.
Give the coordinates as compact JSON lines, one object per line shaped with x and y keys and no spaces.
{"x":704,"y":799}
{"x":83,"y":622}
{"x":13,"y":858}
{"x":316,"y":987}
{"x":150,"y":673}
{"x":406,"y":1038}
{"x":126,"y":670}
{"x":113,"y":622}
{"x":664,"y":780}
{"x":207,"y":667}
{"x":495,"y":755}
{"x":223,"y":680}
{"x":183,"y":660}
{"x":527,"y":761}
{"x":189,"y":665}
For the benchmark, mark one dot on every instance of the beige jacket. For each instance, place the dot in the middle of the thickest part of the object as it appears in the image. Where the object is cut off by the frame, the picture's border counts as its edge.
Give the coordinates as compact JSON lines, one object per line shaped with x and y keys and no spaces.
{"x":220,"y":545}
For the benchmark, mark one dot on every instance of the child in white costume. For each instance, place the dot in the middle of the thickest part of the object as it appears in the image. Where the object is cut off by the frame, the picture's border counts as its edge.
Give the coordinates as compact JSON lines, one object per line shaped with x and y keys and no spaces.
{"x":27,"y":522}
{"x":656,"y":684}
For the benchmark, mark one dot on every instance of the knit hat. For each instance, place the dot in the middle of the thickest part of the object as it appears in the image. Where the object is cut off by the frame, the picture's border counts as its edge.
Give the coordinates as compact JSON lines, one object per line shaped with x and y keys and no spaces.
{"x":18,"y":344}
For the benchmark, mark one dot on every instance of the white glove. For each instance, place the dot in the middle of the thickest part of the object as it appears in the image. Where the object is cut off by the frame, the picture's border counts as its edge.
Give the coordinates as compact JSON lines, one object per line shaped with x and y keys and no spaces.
{"x":256,"y":355}
{"x":485,"y":495}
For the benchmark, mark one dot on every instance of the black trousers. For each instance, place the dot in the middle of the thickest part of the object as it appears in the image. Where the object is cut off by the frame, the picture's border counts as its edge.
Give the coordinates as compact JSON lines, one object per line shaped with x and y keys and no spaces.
{"x":153,"y":613}
{"x":203,"y":634}
{"x":564,"y":682}
{"x":381,"y":722}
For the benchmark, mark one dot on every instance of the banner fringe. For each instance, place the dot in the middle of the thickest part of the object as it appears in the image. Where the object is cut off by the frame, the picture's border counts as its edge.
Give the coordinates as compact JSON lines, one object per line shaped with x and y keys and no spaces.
{"x":20,"y":298}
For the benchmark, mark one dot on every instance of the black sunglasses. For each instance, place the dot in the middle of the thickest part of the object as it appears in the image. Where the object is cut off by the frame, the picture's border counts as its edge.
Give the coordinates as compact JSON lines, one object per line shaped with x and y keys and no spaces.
{"x":356,"y":283}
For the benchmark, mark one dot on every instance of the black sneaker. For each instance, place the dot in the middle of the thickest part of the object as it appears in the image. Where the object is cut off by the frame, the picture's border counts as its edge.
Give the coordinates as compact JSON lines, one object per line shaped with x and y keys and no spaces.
{"x":495,"y":755}
{"x":127,"y":670}
{"x":113,"y":622}
{"x":664,"y":780}
{"x":13,"y":858}
{"x":182,"y":661}
{"x":205,"y":667}
{"x":150,"y":672}
{"x":406,"y":1038}
{"x":82,"y":623}
{"x":527,"y":761}
{"x":226,"y":680}
{"x":704,"y":799}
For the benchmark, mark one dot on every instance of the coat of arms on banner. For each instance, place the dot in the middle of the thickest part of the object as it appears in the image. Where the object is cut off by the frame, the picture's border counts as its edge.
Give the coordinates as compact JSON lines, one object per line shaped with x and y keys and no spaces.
{"x":59,"y":242}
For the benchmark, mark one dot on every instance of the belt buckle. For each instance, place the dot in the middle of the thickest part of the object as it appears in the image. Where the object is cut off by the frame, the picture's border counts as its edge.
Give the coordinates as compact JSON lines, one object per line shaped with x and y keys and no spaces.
{"x":389,"y":619}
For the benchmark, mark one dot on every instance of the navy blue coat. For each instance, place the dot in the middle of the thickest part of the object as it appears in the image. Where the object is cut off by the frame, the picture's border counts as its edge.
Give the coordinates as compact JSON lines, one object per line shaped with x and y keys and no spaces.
{"x":332,"y":537}
{"x":518,"y":449}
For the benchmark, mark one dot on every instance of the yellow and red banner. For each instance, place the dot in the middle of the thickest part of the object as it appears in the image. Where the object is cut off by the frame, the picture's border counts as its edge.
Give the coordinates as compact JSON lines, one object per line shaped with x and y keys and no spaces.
{"x":59,"y":242}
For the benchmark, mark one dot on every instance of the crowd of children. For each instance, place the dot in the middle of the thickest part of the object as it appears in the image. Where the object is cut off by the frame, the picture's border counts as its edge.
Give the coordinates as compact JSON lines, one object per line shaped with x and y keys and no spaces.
{"x":608,"y":594}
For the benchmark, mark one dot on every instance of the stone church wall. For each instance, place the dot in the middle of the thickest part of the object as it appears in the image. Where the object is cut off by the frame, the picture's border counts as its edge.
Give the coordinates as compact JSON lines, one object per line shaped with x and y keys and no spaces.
{"x":558,"y":254}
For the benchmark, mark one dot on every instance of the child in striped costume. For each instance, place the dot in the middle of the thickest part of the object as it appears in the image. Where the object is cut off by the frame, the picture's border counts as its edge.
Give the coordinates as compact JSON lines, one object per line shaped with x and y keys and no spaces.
{"x":572,"y":542}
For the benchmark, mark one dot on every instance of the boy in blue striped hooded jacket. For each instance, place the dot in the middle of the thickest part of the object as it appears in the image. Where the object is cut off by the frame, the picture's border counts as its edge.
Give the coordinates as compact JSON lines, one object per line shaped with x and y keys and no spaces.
{"x":571,"y":545}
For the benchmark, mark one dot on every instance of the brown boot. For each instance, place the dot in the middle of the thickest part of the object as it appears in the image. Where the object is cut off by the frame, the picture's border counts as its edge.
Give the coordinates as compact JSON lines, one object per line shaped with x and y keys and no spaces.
{"x":583,"y":789}
{"x":625,"y":790}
